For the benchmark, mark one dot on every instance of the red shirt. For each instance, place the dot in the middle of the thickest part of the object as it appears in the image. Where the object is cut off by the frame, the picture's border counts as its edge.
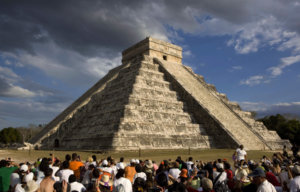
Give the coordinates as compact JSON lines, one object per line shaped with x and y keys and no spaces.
{"x":272,"y":179}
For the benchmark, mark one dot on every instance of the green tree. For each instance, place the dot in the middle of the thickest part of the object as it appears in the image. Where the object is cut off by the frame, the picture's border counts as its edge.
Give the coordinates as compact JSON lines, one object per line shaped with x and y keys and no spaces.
{"x":10,"y":135}
{"x":286,"y":129}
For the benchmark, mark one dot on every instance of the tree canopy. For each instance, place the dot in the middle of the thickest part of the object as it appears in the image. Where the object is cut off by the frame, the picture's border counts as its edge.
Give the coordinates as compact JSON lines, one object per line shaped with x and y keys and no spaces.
{"x":10,"y":135}
{"x":286,"y":129}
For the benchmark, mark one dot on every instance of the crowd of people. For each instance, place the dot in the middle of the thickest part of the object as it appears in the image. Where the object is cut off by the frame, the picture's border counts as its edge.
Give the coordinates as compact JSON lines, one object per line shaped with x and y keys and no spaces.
{"x":281,"y":172}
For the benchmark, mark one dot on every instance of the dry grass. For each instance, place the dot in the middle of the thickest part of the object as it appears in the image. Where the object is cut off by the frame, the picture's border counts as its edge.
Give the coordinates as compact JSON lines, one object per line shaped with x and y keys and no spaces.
{"x":157,"y":155}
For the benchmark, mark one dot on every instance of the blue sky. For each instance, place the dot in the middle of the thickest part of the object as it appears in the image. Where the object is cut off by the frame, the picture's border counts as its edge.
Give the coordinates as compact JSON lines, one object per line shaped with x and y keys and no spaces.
{"x":52,"y":52}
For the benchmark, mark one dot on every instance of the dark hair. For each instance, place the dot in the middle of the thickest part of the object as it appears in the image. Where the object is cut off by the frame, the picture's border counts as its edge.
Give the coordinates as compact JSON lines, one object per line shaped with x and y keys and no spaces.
{"x":138,"y":168}
{"x":96,"y":173}
{"x":139,"y":185}
{"x":48,"y":172}
{"x":68,"y":157}
{"x":44,"y":165}
{"x":120,"y":173}
{"x":227,"y":165}
{"x":3,"y":163}
{"x":94,"y":158}
{"x":121,"y":159}
{"x":65,"y":165}
{"x":162,"y":180}
{"x":190,"y":158}
{"x":177,"y":187}
{"x":72,"y":178}
{"x":91,"y":166}
{"x":74,"y":156}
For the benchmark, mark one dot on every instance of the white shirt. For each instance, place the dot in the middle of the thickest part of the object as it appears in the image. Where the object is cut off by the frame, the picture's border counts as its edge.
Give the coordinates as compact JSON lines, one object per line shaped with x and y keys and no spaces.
{"x":241,"y":154}
{"x":55,"y":169}
{"x":64,"y":174}
{"x":125,"y":182}
{"x":222,"y":178}
{"x":19,"y":188}
{"x":75,"y":186}
{"x":120,"y":165}
{"x":107,"y":169}
{"x":174,"y":172}
{"x":266,"y":187}
{"x":189,"y":165}
{"x":141,"y":175}
{"x":295,"y":184}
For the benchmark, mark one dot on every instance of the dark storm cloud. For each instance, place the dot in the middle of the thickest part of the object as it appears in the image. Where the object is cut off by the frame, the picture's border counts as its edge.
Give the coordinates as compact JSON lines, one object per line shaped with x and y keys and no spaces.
{"x":98,"y":27}
{"x":83,"y":26}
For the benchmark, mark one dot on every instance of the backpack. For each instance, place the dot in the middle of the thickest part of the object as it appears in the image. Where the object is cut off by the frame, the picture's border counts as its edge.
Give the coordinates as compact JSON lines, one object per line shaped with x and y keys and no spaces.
{"x":220,"y":186}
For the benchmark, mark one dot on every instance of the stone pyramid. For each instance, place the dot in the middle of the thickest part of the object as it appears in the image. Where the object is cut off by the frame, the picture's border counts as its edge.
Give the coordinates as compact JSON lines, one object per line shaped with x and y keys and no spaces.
{"x":153,"y":101}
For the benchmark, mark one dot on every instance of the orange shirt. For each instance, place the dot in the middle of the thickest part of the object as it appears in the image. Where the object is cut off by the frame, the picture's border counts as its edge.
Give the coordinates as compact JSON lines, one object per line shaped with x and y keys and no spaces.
{"x":130,"y":172}
{"x":75,"y":166}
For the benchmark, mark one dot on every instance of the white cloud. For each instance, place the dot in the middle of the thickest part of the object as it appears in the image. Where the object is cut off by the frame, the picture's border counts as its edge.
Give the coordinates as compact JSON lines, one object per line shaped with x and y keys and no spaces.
{"x":235,"y":68}
{"x":285,"y":62}
{"x":253,"y":80}
{"x":187,"y":53}
{"x":16,"y":91}
{"x":264,"y":109}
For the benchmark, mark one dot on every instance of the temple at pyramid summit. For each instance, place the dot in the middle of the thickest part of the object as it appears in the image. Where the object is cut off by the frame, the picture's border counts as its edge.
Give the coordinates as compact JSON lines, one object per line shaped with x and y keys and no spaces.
{"x":153,"y":101}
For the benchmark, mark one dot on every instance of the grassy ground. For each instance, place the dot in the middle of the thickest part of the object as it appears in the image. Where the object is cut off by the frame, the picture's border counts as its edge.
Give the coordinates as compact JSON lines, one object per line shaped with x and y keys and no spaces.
{"x":157,"y":155}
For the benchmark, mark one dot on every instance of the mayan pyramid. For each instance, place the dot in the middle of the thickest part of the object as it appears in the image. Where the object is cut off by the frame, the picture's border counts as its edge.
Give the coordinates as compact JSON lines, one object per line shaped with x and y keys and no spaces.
{"x":153,"y":101}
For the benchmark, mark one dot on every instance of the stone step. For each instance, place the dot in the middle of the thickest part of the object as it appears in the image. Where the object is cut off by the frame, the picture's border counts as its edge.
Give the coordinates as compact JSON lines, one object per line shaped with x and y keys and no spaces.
{"x":144,"y":127}
{"x":152,"y":104}
{"x":153,"y":116}
{"x":152,"y":92}
{"x":152,"y":83}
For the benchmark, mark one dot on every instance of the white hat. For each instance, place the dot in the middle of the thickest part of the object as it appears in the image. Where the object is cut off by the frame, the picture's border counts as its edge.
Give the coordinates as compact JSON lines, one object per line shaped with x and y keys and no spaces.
{"x":28,"y":177}
{"x":132,"y":161}
{"x":137,"y":161}
{"x":105,"y":162}
{"x":31,"y":186}
{"x":24,"y":168}
{"x":220,"y":165}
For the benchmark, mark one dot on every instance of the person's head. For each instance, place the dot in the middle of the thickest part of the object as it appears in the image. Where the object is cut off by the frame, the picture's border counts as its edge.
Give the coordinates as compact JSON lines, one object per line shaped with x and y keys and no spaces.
{"x":227,"y":165}
{"x":206,"y":184}
{"x":139,"y":185}
{"x":74,"y":156}
{"x":96,"y":173}
{"x":258,"y":176}
{"x":4,"y":163}
{"x":44,"y":164}
{"x":68,"y":157}
{"x":220,"y":167}
{"x":72,"y":178}
{"x":138,"y":168}
{"x":121,"y":159}
{"x":91,"y":167}
{"x":65,"y":165}
{"x":162,"y":180}
{"x":296,"y":170}
{"x":48,"y":172}
{"x":190,"y":158}
{"x":120,"y":173}
{"x":132,"y":162}
{"x":94,"y":158}
{"x":242,"y":147}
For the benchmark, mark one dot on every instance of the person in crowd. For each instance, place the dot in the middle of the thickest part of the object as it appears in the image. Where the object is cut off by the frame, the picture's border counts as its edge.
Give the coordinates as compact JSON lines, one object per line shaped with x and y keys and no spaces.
{"x":130,"y":170}
{"x":74,"y":185}
{"x":47,"y":184}
{"x":76,"y":165}
{"x":259,"y":179}
{"x":65,"y":172}
{"x":295,"y":182}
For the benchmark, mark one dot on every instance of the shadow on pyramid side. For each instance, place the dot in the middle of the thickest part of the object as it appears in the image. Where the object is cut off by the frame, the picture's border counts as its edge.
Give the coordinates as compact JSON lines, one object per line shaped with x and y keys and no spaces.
{"x":152,"y":101}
